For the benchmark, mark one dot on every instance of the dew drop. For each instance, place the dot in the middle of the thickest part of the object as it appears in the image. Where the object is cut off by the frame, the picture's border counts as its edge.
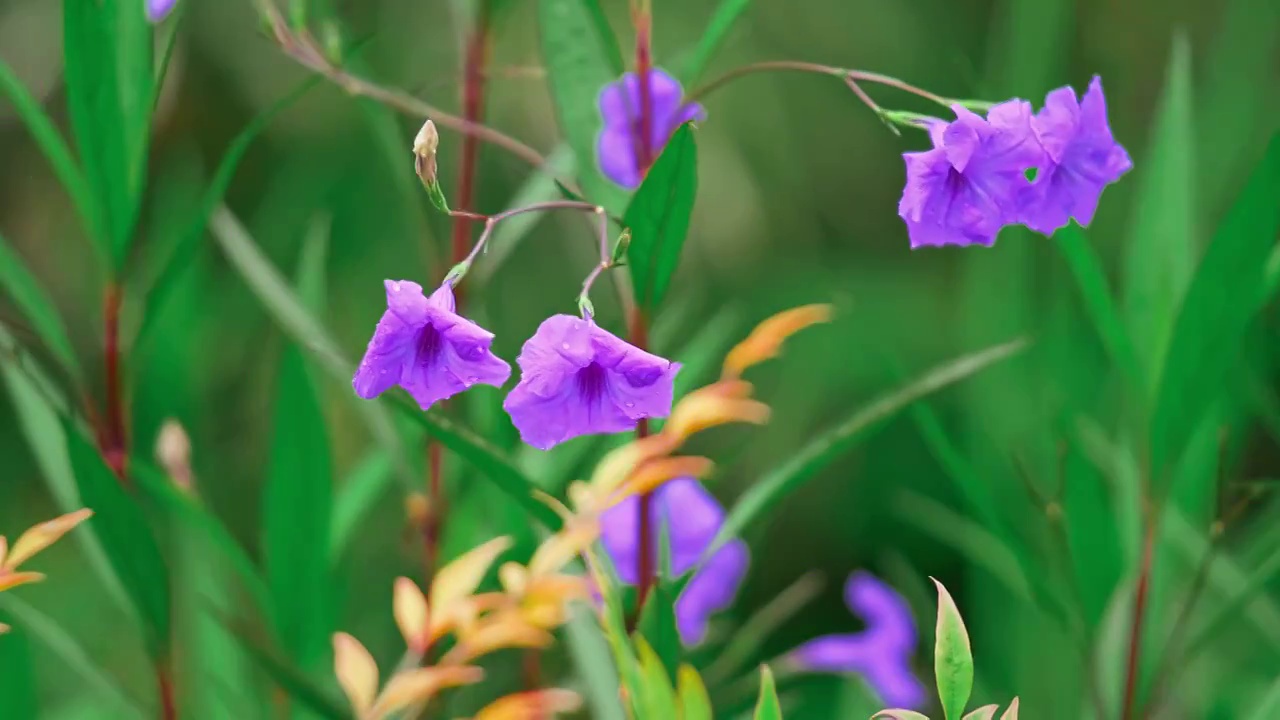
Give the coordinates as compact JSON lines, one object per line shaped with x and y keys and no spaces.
{"x":565,"y":346}
{"x":630,"y":404}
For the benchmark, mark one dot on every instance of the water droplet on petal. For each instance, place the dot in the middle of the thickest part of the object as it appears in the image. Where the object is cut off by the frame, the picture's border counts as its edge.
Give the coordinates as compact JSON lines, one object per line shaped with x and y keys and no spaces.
{"x":565,"y":346}
{"x":630,"y":404}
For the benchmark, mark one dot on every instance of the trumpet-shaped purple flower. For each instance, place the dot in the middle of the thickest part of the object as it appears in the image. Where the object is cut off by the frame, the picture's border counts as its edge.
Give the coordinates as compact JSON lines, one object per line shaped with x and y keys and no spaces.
{"x":423,"y":346}
{"x":692,"y":518}
{"x":158,"y":10}
{"x":577,"y":379}
{"x":618,"y":145}
{"x":1081,"y":157}
{"x":881,"y":653}
{"x":967,"y":187}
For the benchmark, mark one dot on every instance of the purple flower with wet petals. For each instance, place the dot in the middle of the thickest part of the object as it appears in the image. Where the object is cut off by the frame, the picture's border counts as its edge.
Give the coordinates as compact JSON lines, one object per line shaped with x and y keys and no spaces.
{"x":425,"y":347}
{"x":618,"y":145}
{"x":1081,"y":157}
{"x":692,"y":519}
{"x":881,"y":653}
{"x":577,"y":379}
{"x":158,"y":10}
{"x":966,"y":188}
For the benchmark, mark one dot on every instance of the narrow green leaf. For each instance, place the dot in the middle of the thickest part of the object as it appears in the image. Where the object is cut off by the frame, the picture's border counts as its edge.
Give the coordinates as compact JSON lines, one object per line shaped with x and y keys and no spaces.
{"x":59,"y":155}
{"x":18,"y":681}
{"x":1162,"y":251}
{"x":589,"y":649}
{"x":691,"y":695}
{"x":98,"y":122}
{"x":608,"y":39}
{"x":296,"y":684}
{"x":1217,"y":309}
{"x":578,"y":65}
{"x":658,"y":698}
{"x":658,"y":626}
{"x":809,"y":460}
{"x":26,"y":292}
{"x":952,"y":658}
{"x":363,"y":486}
{"x":658,"y":217}
{"x":756,"y":630}
{"x":1099,"y":303}
{"x":182,"y":509}
{"x":767,"y":706}
{"x":188,"y":242}
{"x":126,"y":538}
{"x":726,"y":15}
{"x":1269,"y":706}
{"x":115,"y":701}
{"x":297,"y":506}
{"x":492,"y":465}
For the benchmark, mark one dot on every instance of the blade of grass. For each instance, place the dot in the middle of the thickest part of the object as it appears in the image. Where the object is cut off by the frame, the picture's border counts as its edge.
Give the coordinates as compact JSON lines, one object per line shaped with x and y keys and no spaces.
{"x":364,"y":485}
{"x":1091,"y":281}
{"x":722,"y":21}
{"x":26,"y":292}
{"x":803,"y":465}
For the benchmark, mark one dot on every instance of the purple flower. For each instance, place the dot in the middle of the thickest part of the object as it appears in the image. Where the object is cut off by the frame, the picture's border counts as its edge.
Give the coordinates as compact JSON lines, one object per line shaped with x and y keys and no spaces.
{"x":423,"y":346}
{"x":158,"y":10}
{"x":1081,"y":157}
{"x":692,"y":518}
{"x":618,"y":145}
{"x":966,"y":188}
{"x":578,"y":379}
{"x":881,"y":653}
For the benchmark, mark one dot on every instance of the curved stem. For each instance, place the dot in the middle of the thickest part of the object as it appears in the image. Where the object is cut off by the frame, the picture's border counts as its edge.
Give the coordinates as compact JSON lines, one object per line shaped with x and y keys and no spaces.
{"x":761,"y":67}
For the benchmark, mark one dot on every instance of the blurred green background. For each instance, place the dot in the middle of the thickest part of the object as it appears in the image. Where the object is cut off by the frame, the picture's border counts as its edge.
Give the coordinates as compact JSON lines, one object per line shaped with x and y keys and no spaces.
{"x":797,"y":204}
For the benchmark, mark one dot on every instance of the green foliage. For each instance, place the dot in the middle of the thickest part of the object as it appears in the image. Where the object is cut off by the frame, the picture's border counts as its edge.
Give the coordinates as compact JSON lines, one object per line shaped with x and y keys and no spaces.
{"x":126,"y":537}
{"x":952,"y":657}
{"x":26,"y":292}
{"x":692,"y":696}
{"x":658,"y":626}
{"x":767,"y":706}
{"x":722,"y":21}
{"x":658,"y":218}
{"x":17,"y":682}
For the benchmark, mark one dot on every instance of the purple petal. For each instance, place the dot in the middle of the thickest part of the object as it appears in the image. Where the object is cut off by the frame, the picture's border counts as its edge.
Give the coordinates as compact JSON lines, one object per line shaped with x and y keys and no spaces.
{"x":620,"y":535}
{"x":710,"y":590}
{"x":426,"y":348}
{"x":836,"y":653}
{"x":693,"y":518}
{"x":896,"y":685}
{"x":157,"y":10}
{"x":578,"y":379}
{"x":617,"y":158}
{"x":887,"y":615}
{"x":943,"y":207}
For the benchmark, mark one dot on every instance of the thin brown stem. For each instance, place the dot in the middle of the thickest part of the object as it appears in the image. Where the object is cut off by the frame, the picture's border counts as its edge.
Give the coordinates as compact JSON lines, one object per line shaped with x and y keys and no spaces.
{"x":1140,"y":597}
{"x":646,"y":563}
{"x":851,"y":77}
{"x":644,"y":116}
{"x":492,"y":221}
{"x":164,"y":685}
{"x":113,"y":435}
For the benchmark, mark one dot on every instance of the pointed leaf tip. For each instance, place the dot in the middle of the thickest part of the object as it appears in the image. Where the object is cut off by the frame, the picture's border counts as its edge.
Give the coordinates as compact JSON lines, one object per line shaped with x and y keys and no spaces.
{"x":952,"y":656}
{"x":357,"y":672}
{"x":767,"y":706}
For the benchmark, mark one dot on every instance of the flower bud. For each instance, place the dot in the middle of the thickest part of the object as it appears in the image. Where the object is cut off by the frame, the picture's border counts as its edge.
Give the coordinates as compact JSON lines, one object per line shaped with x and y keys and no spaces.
{"x":173,"y":451}
{"x":424,"y":163}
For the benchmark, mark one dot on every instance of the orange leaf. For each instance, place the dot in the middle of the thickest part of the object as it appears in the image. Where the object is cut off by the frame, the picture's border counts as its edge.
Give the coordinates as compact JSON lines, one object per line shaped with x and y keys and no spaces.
{"x":357,"y":672}
{"x":459,"y":579}
{"x":561,"y":548}
{"x":766,"y":340}
{"x":10,"y":580}
{"x":42,"y":536}
{"x":531,"y":705}
{"x":409,"y":606}
{"x":419,"y":685}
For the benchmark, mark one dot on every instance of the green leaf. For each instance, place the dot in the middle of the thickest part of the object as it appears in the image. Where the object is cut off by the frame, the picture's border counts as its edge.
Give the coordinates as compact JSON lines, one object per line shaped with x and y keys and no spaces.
{"x":658,"y":625}
{"x":126,"y":537}
{"x":182,"y":509}
{"x":297,"y":506}
{"x":295,"y":683}
{"x":114,"y":700}
{"x":106,"y":47}
{"x":608,"y":39}
{"x":1099,"y":303}
{"x":59,"y":155}
{"x":825,"y":448}
{"x":726,"y":15}
{"x":658,"y":217}
{"x":578,"y":63}
{"x":18,"y":681}
{"x":1162,"y":251}
{"x":188,"y":242}
{"x":490,"y":461}
{"x":767,"y":706}
{"x":1216,"y":312}
{"x":691,"y":694}
{"x":26,"y":292}
{"x":952,"y":658}
{"x":658,"y":697}
{"x":363,"y":486}
{"x":589,"y":648}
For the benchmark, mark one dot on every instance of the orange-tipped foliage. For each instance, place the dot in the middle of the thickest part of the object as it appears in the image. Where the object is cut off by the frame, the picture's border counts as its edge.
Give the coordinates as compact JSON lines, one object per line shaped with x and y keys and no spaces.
{"x":42,"y":536}
{"x":766,"y":340}
{"x":531,"y":705}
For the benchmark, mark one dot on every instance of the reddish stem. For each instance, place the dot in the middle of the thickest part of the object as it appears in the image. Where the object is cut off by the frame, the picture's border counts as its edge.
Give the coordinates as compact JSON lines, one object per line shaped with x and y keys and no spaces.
{"x":113,"y":436}
{"x":168,"y":707}
{"x":644,"y":120}
{"x":646,"y":563}
{"x":1139,"y":616}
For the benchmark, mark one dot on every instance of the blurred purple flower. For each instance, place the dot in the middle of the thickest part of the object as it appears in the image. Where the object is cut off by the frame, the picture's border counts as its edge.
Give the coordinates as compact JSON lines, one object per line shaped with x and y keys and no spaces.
{"x":1081,"y":157}
{"x":423,"y":346}
{"x":158,"y":10}
{"x":577,"y":379}
{"x":617,"y":146}
{"x":881,"y":653}
{"x":692,"y":518}
{"x":966,"y":188}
